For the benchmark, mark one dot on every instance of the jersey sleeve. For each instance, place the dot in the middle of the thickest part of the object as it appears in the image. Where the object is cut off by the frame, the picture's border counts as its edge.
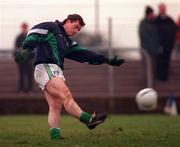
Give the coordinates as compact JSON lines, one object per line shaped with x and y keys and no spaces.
{"x":80,"y":54}
{"x":39,"y":33}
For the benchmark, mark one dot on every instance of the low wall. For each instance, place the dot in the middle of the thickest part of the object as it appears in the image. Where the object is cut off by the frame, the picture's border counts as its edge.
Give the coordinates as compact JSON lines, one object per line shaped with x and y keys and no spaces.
{"x":39,"y":105}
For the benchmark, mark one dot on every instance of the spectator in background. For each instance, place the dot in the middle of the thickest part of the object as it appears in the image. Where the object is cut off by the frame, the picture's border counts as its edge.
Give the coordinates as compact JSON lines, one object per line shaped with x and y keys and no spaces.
{"x":148,"y":35}
{"x":167,"y":31}
{"x":178,"y":36}
{"x":25,"y":69}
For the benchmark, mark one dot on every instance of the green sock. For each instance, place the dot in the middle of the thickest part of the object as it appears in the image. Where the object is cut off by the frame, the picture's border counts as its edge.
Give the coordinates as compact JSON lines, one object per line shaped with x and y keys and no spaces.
{"x":55,"y":133}
{"x":85,"y":117}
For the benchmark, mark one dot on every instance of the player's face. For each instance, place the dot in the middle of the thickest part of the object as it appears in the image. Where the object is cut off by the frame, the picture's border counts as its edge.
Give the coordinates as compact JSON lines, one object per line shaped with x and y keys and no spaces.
{"x":72,"y":28}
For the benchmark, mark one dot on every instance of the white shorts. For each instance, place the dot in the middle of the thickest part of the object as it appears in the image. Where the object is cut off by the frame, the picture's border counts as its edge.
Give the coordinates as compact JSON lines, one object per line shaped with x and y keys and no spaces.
{"x":44,"y":72}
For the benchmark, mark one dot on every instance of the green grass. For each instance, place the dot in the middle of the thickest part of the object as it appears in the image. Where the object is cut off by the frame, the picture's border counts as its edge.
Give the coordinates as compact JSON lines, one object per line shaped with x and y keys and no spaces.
{"x":117,"y":131}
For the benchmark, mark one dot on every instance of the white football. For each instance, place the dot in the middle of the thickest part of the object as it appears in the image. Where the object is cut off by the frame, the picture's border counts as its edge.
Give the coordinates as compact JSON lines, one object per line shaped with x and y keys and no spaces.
{"x":146,"y":99}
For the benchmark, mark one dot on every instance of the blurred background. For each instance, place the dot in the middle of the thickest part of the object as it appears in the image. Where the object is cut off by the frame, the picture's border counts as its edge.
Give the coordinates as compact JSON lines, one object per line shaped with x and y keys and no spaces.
{"x":112,"y":28}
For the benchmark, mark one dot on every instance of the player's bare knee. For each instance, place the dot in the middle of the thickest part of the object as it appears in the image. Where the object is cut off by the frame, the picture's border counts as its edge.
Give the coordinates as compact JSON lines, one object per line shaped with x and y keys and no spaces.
{"x":66,"y":94}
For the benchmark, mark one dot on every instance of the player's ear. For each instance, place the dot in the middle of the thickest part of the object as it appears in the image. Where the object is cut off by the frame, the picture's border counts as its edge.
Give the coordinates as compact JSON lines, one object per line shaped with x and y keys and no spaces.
{"x":68,"y":21}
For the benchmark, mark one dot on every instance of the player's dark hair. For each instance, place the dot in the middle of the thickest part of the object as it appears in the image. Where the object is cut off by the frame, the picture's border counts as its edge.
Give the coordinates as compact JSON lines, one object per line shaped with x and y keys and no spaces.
{"x":74,"y":17}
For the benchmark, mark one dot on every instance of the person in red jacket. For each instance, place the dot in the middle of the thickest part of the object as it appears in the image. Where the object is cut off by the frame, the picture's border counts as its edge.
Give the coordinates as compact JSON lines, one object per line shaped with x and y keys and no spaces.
{"x":178,"y":36}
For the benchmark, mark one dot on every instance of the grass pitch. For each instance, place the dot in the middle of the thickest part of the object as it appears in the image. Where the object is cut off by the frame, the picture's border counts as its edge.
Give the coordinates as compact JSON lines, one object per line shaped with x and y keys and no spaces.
{"x":117,"y":131}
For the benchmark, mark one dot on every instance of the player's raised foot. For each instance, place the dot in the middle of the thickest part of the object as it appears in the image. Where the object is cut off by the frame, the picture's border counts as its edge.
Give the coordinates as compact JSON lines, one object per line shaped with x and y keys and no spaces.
{"x":96,"y":119}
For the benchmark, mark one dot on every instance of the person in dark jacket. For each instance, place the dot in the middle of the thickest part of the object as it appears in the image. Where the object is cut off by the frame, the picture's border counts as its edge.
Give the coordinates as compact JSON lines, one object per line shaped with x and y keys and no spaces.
{"x":25,"y":69}
{"x":148,"y":35}
{"x":167,"y":32}
{"x":52,"y":43}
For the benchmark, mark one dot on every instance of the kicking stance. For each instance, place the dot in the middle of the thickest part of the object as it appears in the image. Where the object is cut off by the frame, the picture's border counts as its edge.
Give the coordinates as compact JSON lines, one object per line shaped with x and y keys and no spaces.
{"x":52,"y":43}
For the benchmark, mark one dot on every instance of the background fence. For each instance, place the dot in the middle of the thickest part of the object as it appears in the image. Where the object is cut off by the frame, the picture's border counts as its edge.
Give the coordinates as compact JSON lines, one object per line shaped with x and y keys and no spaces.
{"x":90,"y":85}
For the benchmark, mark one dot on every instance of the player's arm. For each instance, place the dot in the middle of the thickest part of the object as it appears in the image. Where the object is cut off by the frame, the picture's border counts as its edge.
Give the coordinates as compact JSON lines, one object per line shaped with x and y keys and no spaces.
{"x":39,"y":33}
{"x":83,"y":55}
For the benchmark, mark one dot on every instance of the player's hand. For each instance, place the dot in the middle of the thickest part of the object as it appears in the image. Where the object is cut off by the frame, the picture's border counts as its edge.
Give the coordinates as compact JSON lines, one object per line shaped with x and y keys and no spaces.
{"x":22,"y":55}
{"x":115,"y":61}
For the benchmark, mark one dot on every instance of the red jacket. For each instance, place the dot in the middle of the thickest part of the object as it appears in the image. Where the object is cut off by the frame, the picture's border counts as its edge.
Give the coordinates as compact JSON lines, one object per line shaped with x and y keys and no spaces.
{"x":178,"y":32}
